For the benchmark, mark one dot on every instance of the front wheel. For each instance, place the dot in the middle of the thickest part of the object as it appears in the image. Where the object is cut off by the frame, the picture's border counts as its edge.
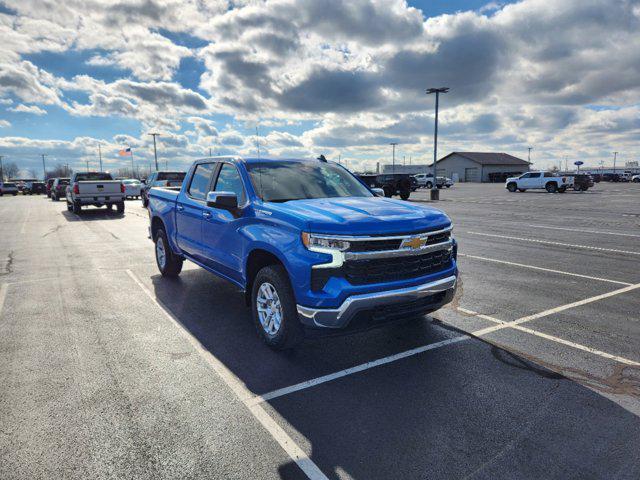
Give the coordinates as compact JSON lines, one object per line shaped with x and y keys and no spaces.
{"x":512,"y":187}
{"x":405,"y":194}
{"x":562,"y":189}
{"x":429,"y":185}
{"x":274,"y":309}
{"x":551,"y":187}
{"x":145,"y":202}
{"x":169,"y":264}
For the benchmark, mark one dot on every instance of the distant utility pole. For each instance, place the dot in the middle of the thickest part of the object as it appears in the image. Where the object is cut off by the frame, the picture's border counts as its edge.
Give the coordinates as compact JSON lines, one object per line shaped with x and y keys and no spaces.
{"x":1,"y":170}
{"x":615,"y":156}
{"x":210,"y":151}
{"x":529,"y":155}
{"x":435,"y":193}
{"x":87,"y":164}
{"x":44,"y":168}
{"x":100,"y":156}
{"x":566,"y":163}
{"x":393,"y":161}
{"x":155,"y":151}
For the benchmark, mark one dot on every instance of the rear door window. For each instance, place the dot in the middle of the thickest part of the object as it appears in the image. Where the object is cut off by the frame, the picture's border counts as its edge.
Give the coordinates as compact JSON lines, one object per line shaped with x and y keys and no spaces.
{"x":201,"y":180}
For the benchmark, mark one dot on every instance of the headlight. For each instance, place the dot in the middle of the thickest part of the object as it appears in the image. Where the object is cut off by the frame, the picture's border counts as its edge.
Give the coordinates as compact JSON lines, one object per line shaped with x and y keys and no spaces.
{"x":313,"y":242}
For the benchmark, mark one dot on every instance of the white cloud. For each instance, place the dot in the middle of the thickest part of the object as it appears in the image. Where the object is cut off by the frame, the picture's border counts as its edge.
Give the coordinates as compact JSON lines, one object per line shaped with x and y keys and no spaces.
{"x":22,"y":108}
{"x":4,"y":123}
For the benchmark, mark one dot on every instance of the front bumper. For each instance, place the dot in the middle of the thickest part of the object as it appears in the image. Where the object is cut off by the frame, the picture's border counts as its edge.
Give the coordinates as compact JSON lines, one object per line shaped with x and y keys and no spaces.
{"x":416,"y":299}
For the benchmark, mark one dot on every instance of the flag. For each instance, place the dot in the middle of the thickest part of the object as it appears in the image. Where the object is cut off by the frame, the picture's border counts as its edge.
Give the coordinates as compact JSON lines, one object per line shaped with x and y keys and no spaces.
{"x":125,"y":152}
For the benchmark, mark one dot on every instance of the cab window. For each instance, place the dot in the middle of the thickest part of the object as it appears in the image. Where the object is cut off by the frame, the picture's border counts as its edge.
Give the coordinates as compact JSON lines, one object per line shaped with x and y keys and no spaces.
{"x":229,"y":181}
{"x":199,"y":186}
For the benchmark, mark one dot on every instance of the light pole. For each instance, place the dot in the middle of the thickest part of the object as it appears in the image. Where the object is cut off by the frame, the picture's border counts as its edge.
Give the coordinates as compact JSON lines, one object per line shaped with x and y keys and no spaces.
{"x":44,"y":168}
{"x":615,"y":156}
{"x":529,"y":154}
{"x":155,"y":151}
{"x":100,"y":156}
{"x":1,"y":170}
{"x":435,"y":193}
{"x":393,"y":161}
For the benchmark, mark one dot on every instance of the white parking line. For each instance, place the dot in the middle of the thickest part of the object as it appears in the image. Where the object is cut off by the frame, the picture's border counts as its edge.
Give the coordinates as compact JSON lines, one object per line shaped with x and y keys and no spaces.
{"x":500,"y":325}
{"x":3,"y":295}
{"x":542,"y":269}
{"x":599,"y":232}
{"x":349,"y":371}
{"x":237,"y":387}
{"x":24,"y":222}
{"x":552,"y":338}
{"x":548,"y":242}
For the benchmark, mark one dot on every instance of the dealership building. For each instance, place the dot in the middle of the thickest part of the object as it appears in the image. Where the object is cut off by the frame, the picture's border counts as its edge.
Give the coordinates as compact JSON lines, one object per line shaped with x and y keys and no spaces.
{"x":480,"y":166}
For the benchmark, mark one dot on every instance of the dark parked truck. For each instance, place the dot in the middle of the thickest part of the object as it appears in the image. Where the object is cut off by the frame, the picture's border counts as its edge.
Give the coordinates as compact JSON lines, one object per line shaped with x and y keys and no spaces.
{"x":401,"y":184}
{"x":311,"y":246}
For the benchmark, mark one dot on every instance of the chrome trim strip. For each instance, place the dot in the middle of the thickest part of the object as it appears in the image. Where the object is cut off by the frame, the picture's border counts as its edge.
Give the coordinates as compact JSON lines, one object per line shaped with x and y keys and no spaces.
{"x":368,"y":238}
{"x":339,"y":317}
{"x":403,"y":252}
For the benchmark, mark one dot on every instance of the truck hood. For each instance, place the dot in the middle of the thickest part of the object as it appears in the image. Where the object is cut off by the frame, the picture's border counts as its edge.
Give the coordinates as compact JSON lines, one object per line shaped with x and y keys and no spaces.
{"x":359,"y":216}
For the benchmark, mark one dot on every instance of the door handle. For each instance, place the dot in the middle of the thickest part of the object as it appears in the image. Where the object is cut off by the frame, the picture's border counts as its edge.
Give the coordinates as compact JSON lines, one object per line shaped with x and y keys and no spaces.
{"x":206,"y":215}
{"x":179,"y":208}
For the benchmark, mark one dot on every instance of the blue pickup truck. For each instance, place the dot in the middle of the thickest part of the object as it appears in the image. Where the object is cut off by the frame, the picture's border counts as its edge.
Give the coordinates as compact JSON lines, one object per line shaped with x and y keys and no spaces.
{"x":312,"y":247}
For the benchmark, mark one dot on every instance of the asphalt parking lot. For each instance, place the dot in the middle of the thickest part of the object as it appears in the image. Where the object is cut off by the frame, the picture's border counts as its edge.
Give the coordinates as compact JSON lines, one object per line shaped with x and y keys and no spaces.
{"x":110,"y":371}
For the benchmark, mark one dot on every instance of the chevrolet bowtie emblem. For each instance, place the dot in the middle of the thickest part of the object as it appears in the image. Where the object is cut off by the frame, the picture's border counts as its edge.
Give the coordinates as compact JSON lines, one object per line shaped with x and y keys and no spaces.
{"x":412,"y":243}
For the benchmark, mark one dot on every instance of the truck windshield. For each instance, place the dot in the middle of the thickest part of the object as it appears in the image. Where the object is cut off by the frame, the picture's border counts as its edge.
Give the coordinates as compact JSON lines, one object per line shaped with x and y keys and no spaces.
{"x":284,"y":181}
{"x":93,"y":176}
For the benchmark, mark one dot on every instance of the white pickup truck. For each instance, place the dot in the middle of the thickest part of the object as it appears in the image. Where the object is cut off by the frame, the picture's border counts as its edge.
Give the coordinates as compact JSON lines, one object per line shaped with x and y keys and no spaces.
{"x":94,"y":188}
{"x":539,"y":180}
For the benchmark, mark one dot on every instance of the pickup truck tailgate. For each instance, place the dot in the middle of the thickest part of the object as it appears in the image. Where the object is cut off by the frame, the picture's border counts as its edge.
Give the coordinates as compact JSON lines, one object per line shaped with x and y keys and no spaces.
{"x":99,"y":188}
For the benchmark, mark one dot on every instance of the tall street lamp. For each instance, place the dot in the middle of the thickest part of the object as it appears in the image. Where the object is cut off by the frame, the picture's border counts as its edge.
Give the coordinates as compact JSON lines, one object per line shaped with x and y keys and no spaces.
{"x":393,"y":161}
{"x":435,"y":193}
{"x":155,"y":151}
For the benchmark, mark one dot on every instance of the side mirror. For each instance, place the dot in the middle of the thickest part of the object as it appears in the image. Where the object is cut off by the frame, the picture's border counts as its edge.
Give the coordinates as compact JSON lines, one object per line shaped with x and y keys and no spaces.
{"x":378,"y":192}
{"x":226,"y":200}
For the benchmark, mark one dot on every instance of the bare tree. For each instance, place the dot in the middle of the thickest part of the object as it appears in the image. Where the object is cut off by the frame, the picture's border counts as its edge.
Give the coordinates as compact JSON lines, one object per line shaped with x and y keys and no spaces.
{"x":11,"y":170}
{"x":59,"y":171}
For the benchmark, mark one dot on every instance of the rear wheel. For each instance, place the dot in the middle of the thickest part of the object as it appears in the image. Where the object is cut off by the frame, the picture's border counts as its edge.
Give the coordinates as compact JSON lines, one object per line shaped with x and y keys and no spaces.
{"x":388,"y":191}
{"x":551,"y":187}
{"x":512,"y":187}
{"x":169,"y":264}
{"x":145,"y":202}
{"x":405,"y":194}
{"x":274,"y":309}
{"x":120,"y":206}
{"x":77,"y":209}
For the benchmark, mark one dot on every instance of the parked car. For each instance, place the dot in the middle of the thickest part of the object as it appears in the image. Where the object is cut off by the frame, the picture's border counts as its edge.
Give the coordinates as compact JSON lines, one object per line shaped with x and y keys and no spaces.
{"x":401,"y":184}
{"x":8,"y":188}
{"x":48,"y":184}
{"x":161,"y":179}
{"x":582,"y":182}
{"x":59,"y":188}
{"x":311,"y":246}
{"x":611,"y":177}
{"x":548,"y":181}
{"x":635,"y":179}
{"x":132,"y":188}
{"x":425,"y":180}
{"x":94,"y":188}
{"x":33,"y":188}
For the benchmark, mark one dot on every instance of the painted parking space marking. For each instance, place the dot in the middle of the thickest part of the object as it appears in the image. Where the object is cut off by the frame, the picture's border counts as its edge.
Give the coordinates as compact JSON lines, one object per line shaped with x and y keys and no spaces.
{"x":292,"y":449}
{"x":553,"y":338}
{"x":500,"y":325}
{"x":533,"y":267}
{"x":549,"y":242}
{"x":3,"y":295}
{"x":598,"y":232}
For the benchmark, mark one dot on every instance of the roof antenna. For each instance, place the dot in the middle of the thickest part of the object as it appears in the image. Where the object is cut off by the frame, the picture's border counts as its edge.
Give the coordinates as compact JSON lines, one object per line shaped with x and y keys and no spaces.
{"x":258,"y":141}
{"x":322,"y":158}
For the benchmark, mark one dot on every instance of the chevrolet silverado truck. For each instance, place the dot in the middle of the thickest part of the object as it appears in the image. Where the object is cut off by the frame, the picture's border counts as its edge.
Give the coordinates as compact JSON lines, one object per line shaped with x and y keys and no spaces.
{"x":548,"y":181}
{"x":94,"y":188}
{"x":313,"y":248}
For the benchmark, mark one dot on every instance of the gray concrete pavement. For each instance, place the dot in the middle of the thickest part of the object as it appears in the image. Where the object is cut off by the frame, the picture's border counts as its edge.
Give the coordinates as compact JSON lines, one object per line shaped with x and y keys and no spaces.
{"x":108,"y":370}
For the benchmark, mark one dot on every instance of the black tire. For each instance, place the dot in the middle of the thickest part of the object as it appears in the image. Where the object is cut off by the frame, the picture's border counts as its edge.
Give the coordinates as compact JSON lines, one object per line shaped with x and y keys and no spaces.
{"x":290,"y":332}
{"x":53,"y":198}
{"x":69,"y":208}
{"x":76,"y":208}
{"x":512,"y":187}
{"x":551,"y":187}
{"x":429,"y":185}
{"x":388,"y":191}
{"x":120,"y":207}
{"x":145,"y":202}
{"x":15,"y":194}
{"x":447,"y":186}
{"x":405,"y":194}
{"x":522,"y":190}
{"x":171,"y":266}
{"x":562,"y":189}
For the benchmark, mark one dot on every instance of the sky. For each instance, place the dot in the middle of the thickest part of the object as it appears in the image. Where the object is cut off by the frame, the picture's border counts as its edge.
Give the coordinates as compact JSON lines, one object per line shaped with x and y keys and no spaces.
{"x":299,"y":78}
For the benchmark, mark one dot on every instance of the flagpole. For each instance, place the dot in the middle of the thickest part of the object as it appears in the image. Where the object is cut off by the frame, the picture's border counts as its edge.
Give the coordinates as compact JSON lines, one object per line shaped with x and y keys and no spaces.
{"x":133,"y":168}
